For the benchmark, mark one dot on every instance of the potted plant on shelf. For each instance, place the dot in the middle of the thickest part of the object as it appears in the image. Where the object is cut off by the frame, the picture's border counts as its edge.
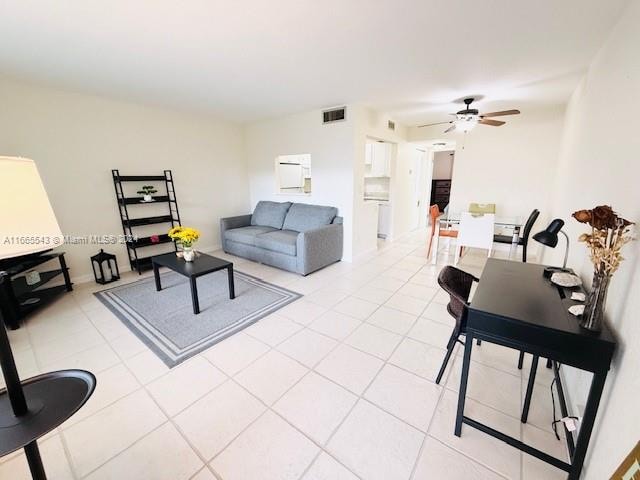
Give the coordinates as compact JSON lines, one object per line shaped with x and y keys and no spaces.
{"x":146,"y":192}
{"x":187,"y":236}
{"x":609,"y":233}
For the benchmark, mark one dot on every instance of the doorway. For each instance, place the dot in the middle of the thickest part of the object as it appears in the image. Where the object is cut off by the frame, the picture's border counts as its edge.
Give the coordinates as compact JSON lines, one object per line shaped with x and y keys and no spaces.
{"x":434,"y":167}
{"x":441,"y":178}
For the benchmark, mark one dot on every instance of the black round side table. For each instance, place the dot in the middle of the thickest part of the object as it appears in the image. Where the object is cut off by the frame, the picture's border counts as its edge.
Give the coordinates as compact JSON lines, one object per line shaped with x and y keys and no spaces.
{"x":31,"y":409}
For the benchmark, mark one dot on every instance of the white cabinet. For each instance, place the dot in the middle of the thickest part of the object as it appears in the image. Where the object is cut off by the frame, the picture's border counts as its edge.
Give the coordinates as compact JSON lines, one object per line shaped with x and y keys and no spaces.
{"x":384,"y":220}
{"x":291,"y":176}
{"x":368,"y":156}
{"x":380,"y":159}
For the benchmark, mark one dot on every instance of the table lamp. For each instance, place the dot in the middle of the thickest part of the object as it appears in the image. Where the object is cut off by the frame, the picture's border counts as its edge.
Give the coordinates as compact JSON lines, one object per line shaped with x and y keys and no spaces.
{"x":549,"y":237}
{"x":30,"y":409}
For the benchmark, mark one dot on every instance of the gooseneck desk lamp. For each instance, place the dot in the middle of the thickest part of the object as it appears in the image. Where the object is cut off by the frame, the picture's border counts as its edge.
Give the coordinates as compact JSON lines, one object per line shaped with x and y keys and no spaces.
{"x":549,"y":237}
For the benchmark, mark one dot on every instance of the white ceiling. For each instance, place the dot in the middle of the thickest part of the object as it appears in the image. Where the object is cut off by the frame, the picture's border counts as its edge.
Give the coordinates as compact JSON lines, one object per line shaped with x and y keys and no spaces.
{"x":250,"y":59}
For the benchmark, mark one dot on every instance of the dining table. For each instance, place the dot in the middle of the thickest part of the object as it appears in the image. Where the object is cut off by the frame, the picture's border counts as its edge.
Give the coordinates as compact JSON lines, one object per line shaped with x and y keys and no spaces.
{"x":449,"y":220}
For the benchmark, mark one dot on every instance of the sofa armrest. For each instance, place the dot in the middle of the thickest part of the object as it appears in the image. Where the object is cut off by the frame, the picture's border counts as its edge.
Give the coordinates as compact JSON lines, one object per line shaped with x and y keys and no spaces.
{"x":230,"y":223}
{"x":319,"y":247}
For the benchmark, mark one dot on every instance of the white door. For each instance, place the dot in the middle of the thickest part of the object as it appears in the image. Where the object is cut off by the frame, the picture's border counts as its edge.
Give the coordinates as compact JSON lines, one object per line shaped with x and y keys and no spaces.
{"x":424,"y":174}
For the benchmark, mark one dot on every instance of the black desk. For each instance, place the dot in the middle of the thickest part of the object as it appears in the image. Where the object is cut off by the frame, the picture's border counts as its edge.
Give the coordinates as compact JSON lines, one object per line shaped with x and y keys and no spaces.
{"x":201,"y":265}
{"x":515,"y":306}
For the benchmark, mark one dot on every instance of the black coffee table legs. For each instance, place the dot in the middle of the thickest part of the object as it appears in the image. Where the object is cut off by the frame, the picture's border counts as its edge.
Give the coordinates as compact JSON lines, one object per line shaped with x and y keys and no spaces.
{"x":194,"y":295}
{"x":232,"y":287}
{"x":156,"y":275}
{"x":194,"y":287}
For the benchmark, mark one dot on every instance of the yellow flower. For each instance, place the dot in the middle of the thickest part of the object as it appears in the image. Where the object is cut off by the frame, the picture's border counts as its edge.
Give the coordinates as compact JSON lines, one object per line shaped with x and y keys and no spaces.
{"x":186,"y":235}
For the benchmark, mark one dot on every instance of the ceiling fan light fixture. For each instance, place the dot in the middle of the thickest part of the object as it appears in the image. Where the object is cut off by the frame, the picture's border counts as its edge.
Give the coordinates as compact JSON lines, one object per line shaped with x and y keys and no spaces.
{"x":465,"y":123}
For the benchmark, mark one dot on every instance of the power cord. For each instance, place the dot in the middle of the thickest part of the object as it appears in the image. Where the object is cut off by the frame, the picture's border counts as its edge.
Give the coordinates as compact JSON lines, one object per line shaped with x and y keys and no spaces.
{"x":556,"y":421}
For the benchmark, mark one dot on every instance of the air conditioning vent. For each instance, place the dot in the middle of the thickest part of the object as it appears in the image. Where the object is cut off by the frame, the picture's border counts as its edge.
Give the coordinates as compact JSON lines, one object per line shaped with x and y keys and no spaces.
{"x":391,"y":125}
{"x":334,"y":115}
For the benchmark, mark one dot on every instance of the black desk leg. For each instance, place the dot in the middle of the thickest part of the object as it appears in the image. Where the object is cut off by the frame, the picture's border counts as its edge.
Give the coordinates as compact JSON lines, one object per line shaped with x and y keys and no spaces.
{"x":586,"y":427}
{"x":194,"y":296}
{"x":532,"y":381}
{"x":468,"y":344}
{"x":520,"y":360}
{"x":232,"y":287}
{"x":156,"y":275}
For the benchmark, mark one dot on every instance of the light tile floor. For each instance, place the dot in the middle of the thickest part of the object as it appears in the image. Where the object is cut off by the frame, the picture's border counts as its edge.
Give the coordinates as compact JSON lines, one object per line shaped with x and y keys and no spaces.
{"x":338,"y":385}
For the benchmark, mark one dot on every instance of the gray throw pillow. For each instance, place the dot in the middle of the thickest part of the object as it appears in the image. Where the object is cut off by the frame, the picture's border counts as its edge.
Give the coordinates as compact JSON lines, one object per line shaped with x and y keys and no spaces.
{"x":303,"y":217}
{"x":270,"y":214}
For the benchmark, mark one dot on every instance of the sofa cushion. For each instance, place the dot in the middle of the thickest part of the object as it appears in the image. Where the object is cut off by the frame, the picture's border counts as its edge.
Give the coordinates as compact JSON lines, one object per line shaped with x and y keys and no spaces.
{"x":281,"y":241}
{"x":270,"y":214}
{"x":303,"y":217}
{"x":246,"y":235}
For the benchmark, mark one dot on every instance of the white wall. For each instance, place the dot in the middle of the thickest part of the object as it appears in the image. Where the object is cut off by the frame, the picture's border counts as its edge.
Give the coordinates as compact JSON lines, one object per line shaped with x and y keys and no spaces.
{"x":331,"y":147}
{"x":512,"y":166}
{"x":599,"y":165}
{"x":442,"y":165}
{"x":77,"y":139}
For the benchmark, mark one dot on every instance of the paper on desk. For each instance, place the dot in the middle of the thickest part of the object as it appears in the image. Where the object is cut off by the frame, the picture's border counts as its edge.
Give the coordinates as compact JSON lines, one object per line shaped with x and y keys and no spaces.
{"x":576,"y":310}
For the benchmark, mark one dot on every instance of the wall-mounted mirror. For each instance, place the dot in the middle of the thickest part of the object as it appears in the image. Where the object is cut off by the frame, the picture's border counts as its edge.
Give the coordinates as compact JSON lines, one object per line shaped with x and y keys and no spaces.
{"x":293,"y":174}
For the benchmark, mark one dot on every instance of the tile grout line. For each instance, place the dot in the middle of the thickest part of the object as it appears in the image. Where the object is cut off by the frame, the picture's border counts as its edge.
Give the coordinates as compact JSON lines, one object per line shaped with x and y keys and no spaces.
{"x":312,"y":369}
{"x":143,"y":387}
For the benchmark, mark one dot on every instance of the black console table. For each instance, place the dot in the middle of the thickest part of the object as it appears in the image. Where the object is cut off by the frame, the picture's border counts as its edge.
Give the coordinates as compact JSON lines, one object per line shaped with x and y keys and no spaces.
{"x":517,"y":307}
{"x":17,"y":298}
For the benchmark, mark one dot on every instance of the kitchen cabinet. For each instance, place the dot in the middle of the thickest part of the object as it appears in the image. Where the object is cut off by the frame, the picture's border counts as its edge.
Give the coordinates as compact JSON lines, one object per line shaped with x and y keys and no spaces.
{"x":378,"y":156}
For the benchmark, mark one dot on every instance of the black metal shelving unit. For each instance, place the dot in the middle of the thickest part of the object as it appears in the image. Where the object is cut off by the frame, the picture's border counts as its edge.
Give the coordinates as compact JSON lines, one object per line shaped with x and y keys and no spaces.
{"x":137,"y":260}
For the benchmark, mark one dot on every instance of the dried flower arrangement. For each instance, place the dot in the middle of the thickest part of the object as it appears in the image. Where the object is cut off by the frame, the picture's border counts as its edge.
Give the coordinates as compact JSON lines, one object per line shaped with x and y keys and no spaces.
{"x":609,"y":233}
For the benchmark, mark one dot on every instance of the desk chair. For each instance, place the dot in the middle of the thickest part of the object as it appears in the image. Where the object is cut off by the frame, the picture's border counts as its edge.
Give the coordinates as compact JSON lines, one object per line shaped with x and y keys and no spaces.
{"x":524,"y":239}
{"x":457,"y":283}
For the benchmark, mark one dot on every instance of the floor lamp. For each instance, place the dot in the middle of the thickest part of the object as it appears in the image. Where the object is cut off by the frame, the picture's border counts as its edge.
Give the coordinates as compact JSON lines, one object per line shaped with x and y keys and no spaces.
{"x":31,"y":408}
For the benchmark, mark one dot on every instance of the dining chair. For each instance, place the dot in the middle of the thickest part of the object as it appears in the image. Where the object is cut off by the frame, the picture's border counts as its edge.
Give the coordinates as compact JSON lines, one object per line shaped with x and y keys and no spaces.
{"x":482,"y":208}
{"x":524,"y":239}
{"x":475,"y":231}
{"x":434,"y":215}
{"x":458,"y":283}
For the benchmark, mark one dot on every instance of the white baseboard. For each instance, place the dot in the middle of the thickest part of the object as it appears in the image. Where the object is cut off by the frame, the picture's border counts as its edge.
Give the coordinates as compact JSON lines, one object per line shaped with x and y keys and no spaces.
{"x":88,"y":277}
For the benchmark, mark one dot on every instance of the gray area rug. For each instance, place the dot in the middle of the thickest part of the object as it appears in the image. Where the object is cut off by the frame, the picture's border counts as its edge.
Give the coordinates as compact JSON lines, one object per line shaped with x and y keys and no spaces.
{"x":165,"y":322}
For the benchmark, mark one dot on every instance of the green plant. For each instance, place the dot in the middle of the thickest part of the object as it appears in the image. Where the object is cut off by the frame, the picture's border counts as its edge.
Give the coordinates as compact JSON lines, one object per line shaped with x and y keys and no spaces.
{"x":147,"y":190}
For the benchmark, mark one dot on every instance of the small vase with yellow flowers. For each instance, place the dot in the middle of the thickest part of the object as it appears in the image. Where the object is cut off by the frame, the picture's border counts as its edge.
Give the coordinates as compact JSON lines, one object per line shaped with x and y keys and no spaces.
{"x":187,"y":236}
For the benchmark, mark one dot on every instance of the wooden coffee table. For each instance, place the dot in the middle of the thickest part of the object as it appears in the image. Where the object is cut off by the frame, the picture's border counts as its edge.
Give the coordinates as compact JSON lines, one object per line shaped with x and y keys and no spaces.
{"x":201,"y":265}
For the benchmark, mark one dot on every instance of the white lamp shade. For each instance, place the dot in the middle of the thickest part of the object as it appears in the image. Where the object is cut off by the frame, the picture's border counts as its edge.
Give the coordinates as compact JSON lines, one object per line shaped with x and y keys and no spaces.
{"x":27,"y":222}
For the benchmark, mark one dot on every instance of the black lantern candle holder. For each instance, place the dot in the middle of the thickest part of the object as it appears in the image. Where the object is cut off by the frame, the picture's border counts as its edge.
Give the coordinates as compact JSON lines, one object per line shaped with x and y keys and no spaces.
{"x":110,"y":263}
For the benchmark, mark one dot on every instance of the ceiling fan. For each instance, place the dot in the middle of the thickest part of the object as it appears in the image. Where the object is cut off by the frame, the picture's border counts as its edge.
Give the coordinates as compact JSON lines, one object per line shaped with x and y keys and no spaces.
{"x":469,"y":117}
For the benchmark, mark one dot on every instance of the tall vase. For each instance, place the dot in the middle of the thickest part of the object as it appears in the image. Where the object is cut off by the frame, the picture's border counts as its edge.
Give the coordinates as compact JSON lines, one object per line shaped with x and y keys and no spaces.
{"x":594,"y":306}
{"x":188,"y":253}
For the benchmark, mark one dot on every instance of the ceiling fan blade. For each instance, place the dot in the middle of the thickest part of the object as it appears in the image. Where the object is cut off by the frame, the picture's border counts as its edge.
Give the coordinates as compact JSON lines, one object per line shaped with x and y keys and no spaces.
{"x":452,"y":127}
{"x":432,"y":124}
{"x":493,"y":123}
{"x":500,"y":114}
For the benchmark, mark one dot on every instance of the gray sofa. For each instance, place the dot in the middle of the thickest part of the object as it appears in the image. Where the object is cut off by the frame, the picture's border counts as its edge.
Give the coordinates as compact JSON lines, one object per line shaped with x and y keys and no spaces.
{"x":297,"y":237}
